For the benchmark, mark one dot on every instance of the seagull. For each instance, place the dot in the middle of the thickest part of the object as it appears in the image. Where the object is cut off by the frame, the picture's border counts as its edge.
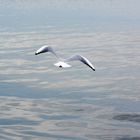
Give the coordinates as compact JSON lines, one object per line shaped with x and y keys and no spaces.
{"x":63,"y":63}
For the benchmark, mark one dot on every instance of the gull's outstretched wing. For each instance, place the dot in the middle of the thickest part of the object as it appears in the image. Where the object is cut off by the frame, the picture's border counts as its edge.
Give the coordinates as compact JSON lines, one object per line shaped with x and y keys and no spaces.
{"x":44,"y":49}
{"x":82,"y":59}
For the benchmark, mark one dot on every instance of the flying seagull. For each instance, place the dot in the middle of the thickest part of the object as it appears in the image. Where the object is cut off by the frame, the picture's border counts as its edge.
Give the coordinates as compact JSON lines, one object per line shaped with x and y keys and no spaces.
{"x":63,"y":63}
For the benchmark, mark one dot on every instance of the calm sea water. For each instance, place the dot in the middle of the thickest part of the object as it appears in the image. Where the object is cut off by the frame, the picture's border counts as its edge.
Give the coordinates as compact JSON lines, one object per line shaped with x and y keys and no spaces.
{"x":39,"y":101}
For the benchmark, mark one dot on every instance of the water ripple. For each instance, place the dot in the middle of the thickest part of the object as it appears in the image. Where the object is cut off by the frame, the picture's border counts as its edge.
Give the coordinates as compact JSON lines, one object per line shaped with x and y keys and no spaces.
{"x":128,"y":117}
{"x":17,"y":121}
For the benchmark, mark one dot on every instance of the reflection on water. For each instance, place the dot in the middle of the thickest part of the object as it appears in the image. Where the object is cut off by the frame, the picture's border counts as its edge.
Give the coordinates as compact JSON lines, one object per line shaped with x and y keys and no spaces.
{"x":128,"y":117}
{"x":41,"y":101}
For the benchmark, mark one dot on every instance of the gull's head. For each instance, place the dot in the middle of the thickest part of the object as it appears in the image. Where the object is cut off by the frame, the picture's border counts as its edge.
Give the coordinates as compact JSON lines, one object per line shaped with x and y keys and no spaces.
{"x":62,"y":64}
{"x":43,"y":49}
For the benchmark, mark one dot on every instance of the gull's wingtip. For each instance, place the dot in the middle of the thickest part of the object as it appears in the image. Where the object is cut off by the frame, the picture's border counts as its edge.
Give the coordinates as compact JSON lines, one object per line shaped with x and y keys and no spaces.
{"x":92,"y":68}
{"x":36,"y":53}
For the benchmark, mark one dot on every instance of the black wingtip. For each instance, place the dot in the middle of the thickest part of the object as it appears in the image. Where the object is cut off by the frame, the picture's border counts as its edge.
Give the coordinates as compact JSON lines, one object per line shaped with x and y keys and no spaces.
{"x":36,"y":54}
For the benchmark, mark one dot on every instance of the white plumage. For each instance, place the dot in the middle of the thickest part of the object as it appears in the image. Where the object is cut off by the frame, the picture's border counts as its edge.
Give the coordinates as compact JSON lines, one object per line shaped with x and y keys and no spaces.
{"x":64,"y":62}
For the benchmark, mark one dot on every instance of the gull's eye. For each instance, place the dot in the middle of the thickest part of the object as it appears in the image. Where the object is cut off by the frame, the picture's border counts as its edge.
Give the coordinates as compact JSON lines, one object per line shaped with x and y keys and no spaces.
{"x":60,"y":66}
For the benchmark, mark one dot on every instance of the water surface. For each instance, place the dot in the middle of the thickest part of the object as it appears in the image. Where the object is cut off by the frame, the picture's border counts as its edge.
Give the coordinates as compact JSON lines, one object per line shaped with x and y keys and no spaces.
{"x":41,"y":101}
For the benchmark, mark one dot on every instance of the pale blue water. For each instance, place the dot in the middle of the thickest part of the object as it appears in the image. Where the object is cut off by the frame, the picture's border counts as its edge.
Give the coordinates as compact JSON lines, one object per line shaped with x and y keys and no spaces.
{"x":40,"y":101}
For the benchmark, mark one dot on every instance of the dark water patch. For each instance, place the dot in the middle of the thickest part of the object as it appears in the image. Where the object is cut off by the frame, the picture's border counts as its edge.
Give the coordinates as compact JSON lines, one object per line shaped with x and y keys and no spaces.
{"x":5,"y":138}
{"x":23,"y":91}
{"x":129,"y":138}
{"x":79,"y":110}
{"x":128,"y":117}
{"x":49,"y":135}
{"x":13,"y":104}
{"x":17,"y":121}
{"x":12,"y":135}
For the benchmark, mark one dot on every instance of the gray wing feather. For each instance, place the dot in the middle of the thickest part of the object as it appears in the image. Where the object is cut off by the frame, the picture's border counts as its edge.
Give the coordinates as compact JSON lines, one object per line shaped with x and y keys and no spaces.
{"x":82,"y":59}
{"x":50,"y":49}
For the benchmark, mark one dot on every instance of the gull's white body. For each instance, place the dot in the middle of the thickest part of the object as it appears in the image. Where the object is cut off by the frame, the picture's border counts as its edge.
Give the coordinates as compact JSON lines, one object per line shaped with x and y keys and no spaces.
{"x":64,"y":62}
